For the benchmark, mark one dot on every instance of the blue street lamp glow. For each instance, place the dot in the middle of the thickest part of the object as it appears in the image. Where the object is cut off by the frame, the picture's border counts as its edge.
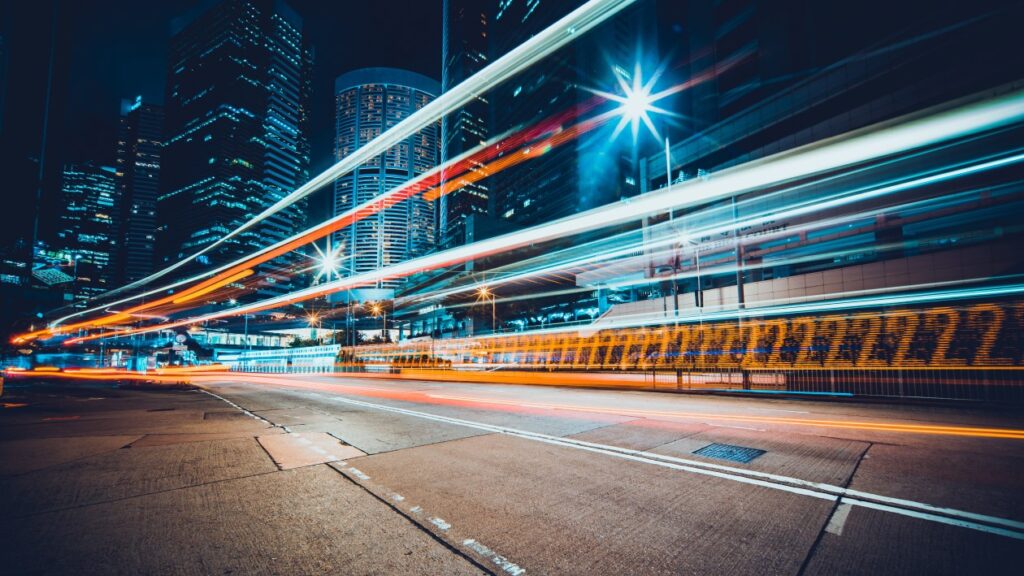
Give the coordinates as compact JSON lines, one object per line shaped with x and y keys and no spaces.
{"x":636,"y":101}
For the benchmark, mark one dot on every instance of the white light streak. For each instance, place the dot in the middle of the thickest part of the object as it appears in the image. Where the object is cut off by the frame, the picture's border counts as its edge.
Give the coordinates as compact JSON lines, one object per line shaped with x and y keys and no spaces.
{"x":562,"y":32}
{"x":861,"y":146}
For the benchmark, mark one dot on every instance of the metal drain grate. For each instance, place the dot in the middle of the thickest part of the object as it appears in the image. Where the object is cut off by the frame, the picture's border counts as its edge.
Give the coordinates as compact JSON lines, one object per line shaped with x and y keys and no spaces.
{"x":729,"y":452}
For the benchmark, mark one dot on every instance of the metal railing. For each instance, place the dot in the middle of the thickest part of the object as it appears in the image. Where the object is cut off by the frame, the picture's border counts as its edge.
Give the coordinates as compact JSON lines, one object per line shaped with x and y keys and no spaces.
{"x":973,"y":352}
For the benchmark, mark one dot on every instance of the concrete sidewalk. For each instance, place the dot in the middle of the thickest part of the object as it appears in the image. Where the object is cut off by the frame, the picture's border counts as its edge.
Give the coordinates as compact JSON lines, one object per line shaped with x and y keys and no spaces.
{"x":98,"y":480}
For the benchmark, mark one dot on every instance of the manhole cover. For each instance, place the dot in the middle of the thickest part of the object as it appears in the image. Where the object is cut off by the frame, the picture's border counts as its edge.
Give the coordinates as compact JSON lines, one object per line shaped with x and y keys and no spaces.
{"x":729,"y":452}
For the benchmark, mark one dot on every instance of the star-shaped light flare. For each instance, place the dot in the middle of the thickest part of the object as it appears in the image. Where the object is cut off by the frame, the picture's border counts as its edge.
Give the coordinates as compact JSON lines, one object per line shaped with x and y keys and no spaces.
{"x":636,"y":101}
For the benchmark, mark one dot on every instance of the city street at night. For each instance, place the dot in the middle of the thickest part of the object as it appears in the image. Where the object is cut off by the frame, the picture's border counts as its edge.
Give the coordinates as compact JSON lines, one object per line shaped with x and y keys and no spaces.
{"x":511,"y":287}
{"x":310,"y":473}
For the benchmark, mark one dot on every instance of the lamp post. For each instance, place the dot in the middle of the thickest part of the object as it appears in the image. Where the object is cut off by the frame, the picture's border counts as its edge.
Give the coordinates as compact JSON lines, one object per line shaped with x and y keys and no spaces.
{"x":330,"y":266}
{"x":247,"y":345}
{"x":485,"y":293}
{"x":379,"y":310}
{"x":668,"y":168}
{"x":699,"y":294}
{"x":313,"y":321}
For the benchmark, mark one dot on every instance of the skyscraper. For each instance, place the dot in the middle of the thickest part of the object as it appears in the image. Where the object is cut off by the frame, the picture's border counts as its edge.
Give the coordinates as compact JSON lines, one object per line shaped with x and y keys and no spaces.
{"x":88,"y":226}
{"x":138,"y":167}
{"x":464,"y":48}
{"x":368,"y":102}
{"x":236,"y":132}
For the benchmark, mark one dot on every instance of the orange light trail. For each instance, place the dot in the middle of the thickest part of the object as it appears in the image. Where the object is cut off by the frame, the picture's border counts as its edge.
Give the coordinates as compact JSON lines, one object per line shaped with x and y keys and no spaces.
{"x":560,"y":136}
{"x":552,"y":124}
{"x":211,"y":287}
{"x":435,"y":184}
{"x":424,"y":396}
{"x":220,"y":373}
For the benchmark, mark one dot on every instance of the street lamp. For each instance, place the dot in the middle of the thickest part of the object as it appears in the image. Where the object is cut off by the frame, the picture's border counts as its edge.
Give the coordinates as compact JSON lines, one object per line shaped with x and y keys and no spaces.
{"x":485,"y":293}
{"x":379,"y":310}
{"x":314,"y":320}
{"x":329,"y":267}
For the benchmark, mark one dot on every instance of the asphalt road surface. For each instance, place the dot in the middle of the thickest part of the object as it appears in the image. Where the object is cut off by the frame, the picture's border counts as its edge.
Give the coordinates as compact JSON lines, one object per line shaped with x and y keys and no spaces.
{"x":334,"y":474}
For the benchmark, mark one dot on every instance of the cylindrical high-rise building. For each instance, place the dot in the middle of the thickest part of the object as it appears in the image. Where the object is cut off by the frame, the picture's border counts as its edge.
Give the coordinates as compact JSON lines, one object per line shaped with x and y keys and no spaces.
{"x":369,"y":102}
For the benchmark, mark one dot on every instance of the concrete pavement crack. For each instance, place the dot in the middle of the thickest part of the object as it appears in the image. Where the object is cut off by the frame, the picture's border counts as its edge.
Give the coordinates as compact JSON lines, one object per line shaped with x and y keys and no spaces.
{"x":73,"y":460}
{"x":143,"y":495}
{"x":835,"y":505}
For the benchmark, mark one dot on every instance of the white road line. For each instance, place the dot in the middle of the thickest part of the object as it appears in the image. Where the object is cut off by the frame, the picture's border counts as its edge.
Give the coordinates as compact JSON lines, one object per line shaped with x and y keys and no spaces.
{"x":936,"y":518}
{"x":500,"y":561}
{"x":819,"y":490}
{"x":838,"y":519}
{"x":239,"y":408}
{"x":440,"y":523}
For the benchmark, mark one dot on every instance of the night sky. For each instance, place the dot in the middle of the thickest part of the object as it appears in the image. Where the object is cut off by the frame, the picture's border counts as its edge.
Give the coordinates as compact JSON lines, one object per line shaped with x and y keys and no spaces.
{"x":121,"y":50}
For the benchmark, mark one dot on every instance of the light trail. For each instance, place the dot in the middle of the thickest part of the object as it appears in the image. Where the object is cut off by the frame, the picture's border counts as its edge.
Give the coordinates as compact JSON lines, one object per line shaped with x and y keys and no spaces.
{"x":702,"y":315}
{"x":532,"y":151}
{"x":649,"y":249}
{"x":828,"y":307}
{"x":467,"y":162}
{"x":393,"y":196}
{"x":861,"y":146}
{"x":210,"y":288}
{"x":542,"y":44}
{"x":864,"y":425}
{"x":775,"y":213}
{"x":220,"y":373}
{"x":849,"y":424}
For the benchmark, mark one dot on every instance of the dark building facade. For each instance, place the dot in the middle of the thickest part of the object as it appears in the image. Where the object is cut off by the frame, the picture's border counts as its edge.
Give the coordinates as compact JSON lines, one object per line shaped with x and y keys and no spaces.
{"x":593,"y":169}
{"x":236,"y":132}
{"x":138,"y":167}
{"x":464,"y":52}
{"x":369,"y":102}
